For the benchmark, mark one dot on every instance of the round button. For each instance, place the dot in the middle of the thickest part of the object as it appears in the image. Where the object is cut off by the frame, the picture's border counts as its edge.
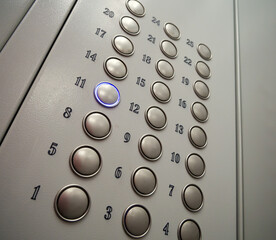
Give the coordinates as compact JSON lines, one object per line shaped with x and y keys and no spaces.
{"x":201,"y":90}
{"x":97,"y":125}
{"x":172,"y":31}
{"x":85,"y":161}
{"x":129,"y":25}
{"x":150,"y":147}
{"x":161,"y":92}
{"x":195,"y":165}
{"x":168,"y":48}
{"x":72,"y":203}
{"x":156,"y":118}
{"x":199,"y":111}
{"x":204,"y":51}
{"x":115,"y":68}
{"x":144,"y":181}
{"x":189,"y":230}
{"x":123,"y":45}
{"x":165,"y":69}
{"x":198,"y":137}
{"x":192,"y":198}
{"x":107,"y":94}
{"x":203,"y":70}
{"x":136,"y":221}
{"x":136,"y":8}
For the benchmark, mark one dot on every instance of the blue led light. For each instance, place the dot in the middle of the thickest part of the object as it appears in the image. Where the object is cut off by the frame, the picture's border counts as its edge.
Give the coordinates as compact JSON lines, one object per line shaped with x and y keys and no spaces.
{"x":109,"y":105}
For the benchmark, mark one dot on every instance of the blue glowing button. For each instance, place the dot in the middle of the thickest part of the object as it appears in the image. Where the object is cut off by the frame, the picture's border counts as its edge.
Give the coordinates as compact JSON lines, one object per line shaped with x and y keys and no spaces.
{"x":107,"y":94}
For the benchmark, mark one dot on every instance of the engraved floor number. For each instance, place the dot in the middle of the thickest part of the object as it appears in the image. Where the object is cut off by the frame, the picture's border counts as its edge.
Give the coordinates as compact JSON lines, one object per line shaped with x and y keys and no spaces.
{"x":36,"y":190}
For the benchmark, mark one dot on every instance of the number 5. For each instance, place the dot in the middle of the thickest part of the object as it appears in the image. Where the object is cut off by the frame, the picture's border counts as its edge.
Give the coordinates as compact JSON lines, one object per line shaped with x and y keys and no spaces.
{"x":53,"y":149}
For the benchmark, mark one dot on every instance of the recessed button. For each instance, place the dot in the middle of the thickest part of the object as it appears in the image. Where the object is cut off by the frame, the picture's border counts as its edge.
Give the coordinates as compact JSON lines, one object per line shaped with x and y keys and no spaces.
{"x":85,"y":161}
{"x":136,"y":8}
{"x":97,"y":125}
{"x":199,"y":111}
{"x":204,"y":51}
{"x":115,"y":68}
{"x":161,"y":92}
{"x":144,"y":181}
{"x":192,"y":198}
{"x":195,"y":165}
{"x":165,"y":69}
{"x":168,"y":48}
{"x":156,"y":118}
{"x":189,"y":230}
{"x":203,"y":69}
{"x":172,"y":31}
{"x":130,"y":25}
{"x":198,"y":137}
{"x":201,"y":90}
{"x":150,"y":147}
{"x":136,"y":221}
{"x":72,"y":203}
{"x":107,"y":94}
{"x":123,"y":45}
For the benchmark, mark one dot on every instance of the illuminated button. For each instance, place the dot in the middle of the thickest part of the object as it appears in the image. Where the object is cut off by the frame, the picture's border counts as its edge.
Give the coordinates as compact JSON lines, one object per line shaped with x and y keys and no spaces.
{"x":189,"y":230}
{"x":198,"y":137}
{"x":203,"y":70}
{"x":136,"y":221}
{"x":168,"y":48}
{"x":199,"y":111}
{"x":156,"y":118}
{"x":172,"y":31}
{"x":195,"y":165}
{"x":204,"y":51}
{"x":97,"y":125}
{"x":136,"y":8}
{"x":192,"y":198}
{"x":144,"y":181}
{"x":161,"y":92}
{"x":201,"y":90}
{"x":107,"y":94}
{"x":72,"y":203}
{"x":150,"y":147}
{"x":115,"y":68}
{"x":165,"y":69}
{"x":129,"y":25}
{"x":85,"y":161}
{"x":123,"y":45}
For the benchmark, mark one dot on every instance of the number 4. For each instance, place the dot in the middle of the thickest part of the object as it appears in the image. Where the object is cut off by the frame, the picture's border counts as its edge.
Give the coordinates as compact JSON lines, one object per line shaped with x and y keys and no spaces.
{"x":166,"y":228}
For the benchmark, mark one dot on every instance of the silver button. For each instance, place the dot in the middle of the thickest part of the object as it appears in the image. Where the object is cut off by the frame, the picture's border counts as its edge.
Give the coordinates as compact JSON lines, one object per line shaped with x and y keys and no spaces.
{"x":168,"y":48}
{"x":192,"y":198}
{"x":199,"y":111}
{"x":136,"y":8}
{"x":123,"y":45}
{"x":156,"y":118}
{"x":172,"y":31}
{"x":189,"y":230}
{"x":115,"y":68}
{"x":144,"y":181}
{"x":195,"y":165}
{"x":161,"y":92}
{"x":204,"y":51}
{"x":136,"y":221}
{"x":165,"y":69}
{"x":85,"y":161}
{"x":97,"y":125}
{"x":198,"y":137}
{"x":203,"y":70}
{"x":201,"y":90}
{"x":129,"y":25}
{"x":72,"y":203}
{"x":107,"y":94}
{"x":150,"y":147}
